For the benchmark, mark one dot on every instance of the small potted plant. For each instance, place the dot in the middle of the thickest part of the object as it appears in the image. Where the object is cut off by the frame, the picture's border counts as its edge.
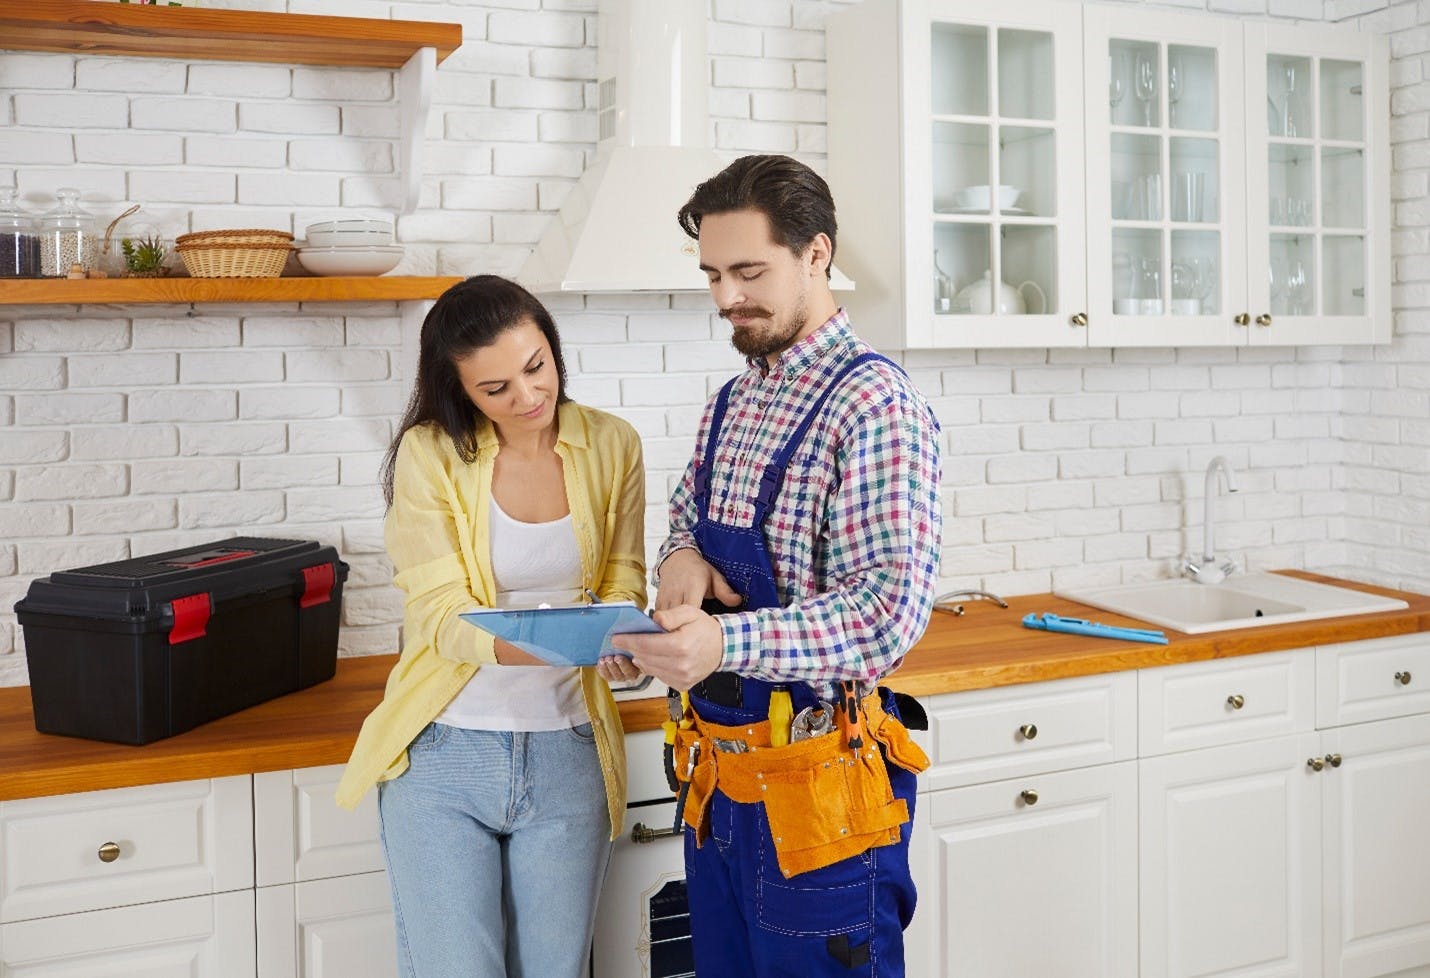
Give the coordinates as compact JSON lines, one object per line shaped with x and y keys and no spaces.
{"x":144,"y":256}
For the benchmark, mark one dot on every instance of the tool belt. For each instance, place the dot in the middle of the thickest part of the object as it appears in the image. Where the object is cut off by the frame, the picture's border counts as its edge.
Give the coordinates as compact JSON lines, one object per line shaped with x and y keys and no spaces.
{"x":825,"y":800}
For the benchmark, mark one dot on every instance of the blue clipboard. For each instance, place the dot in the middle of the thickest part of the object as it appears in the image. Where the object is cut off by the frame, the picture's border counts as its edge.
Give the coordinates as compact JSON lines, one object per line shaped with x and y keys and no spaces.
{"x":565,"y":635}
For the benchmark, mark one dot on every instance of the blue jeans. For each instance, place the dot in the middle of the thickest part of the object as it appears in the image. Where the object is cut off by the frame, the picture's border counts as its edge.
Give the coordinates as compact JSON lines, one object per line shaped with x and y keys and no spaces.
{"x":496,"y":845}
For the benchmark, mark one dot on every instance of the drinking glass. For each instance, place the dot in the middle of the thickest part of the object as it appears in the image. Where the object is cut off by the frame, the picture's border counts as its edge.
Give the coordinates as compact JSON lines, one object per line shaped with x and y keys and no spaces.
{"x":1298,"y":289}
{"x":1176,"y":78}
{"x":1144,"y":82}
{"x":1277,"y":274}
{"x":1116,"y":79}
{"x":1288,"y":117}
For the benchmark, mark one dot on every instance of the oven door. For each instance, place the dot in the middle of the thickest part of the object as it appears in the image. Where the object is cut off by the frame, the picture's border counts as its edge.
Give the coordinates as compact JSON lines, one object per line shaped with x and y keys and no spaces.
{"x":643,"y":924}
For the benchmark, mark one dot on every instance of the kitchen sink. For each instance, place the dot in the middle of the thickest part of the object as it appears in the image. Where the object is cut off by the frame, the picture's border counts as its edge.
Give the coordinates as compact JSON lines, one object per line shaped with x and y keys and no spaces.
{"x":1237,"y":602}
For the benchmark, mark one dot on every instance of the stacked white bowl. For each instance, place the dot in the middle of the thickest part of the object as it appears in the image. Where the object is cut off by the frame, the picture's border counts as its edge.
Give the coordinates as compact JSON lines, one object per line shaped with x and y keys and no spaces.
{"x":353,"y":246}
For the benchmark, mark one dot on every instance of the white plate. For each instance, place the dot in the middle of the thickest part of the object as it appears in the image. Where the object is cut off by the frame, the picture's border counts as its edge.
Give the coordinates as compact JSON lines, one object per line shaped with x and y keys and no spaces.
{"x":350,"y":260}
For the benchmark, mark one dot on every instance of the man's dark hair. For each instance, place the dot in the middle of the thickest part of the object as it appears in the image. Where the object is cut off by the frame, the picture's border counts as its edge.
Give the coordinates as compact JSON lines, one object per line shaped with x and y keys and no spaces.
{"x":469,"y":316}
{"x":796,"y":200}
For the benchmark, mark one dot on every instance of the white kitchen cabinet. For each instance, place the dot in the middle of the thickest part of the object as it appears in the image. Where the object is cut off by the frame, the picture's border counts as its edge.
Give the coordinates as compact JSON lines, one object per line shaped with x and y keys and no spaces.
{"x":327,"y":928}
{"x":324,"y":903}
{"x":1024,"y":838}
{"x":197,"y":937}
{"x":98,"y":849}
{"x":1230,"y":861}
{"x":1166,"y":179}
{"x":1031,"y":876}
{"x":928,"y":98}
{"x":1295,"y":855}
{"x":301,"y":834}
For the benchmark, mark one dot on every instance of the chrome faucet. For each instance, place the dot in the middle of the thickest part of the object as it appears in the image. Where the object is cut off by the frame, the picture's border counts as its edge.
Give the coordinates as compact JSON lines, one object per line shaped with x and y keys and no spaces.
{"x":1205,"y":570}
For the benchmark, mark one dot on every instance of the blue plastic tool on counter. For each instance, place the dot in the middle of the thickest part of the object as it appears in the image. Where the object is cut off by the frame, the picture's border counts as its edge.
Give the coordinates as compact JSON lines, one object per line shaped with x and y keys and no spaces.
{"x":1050,"y":622}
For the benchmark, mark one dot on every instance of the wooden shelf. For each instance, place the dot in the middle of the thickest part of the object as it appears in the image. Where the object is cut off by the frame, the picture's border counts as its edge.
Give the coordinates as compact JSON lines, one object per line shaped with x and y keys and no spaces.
{"x":58,"y":291}
{"x":195,"y":34}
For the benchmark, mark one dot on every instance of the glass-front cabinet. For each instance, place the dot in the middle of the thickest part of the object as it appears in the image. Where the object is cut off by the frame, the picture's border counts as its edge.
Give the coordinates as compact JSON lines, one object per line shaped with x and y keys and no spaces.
{"x":1164,"y":118}
{"x":956,"y":159}
{"x":1319,"y":175}
{"x":1049,"y":174}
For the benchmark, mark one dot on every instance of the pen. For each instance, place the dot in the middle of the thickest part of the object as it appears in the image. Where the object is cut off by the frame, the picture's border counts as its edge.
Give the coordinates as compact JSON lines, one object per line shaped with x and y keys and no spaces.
{"x":592,"y":595}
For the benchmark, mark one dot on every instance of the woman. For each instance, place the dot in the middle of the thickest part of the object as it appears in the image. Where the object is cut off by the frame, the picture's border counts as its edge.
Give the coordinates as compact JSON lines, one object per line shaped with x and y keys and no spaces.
{"x":501,"y":780}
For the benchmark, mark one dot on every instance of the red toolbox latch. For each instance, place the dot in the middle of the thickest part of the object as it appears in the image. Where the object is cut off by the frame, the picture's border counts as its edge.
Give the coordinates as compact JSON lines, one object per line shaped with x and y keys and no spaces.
{"x":191,"y":617}
{"x":317,"y":585}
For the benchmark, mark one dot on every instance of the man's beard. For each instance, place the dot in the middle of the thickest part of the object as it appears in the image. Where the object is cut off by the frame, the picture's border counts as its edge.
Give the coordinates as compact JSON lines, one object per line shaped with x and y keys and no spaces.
{"x":753,"y":343}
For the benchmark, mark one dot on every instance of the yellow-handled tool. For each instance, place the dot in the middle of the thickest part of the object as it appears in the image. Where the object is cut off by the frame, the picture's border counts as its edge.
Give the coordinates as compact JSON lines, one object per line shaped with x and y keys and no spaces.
{"x":781,"y":715}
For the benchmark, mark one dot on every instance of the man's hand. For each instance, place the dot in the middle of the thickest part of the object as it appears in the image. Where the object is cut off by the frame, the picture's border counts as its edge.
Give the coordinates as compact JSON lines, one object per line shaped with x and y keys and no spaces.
{"x":689,"y":650}
{"x":686,"y":578}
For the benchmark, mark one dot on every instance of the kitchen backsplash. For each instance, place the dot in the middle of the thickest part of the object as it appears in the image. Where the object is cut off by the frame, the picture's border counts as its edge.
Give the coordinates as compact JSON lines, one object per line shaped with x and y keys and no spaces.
{"x":128,"y":430}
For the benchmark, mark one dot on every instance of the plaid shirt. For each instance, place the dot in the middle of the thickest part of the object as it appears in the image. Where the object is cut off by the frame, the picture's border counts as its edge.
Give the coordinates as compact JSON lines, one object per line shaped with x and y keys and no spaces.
{"x":854,"y":531}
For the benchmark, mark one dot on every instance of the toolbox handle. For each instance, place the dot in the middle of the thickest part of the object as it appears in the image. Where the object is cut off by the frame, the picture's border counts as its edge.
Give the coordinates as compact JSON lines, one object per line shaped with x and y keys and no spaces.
{"x":209,"y":557}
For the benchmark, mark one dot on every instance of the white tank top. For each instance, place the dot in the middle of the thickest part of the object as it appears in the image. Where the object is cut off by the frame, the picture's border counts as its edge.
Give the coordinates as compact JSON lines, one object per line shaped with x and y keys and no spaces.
{"x":533,"y":563}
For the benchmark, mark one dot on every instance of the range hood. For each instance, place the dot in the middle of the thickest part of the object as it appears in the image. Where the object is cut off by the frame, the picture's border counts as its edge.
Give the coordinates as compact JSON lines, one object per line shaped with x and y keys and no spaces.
{"x":616,"y":231}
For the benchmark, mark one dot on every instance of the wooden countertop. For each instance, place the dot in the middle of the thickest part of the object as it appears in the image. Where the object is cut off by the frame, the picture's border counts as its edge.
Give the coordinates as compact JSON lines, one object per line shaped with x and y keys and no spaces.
{"x":985,"y":647}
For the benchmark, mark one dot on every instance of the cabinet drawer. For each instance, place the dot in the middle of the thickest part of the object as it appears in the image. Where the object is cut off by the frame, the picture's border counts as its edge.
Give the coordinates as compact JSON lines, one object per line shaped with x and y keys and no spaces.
{"x":989,"y":734}
{"x":1207,"y":704}
{"x":127,"y":845}
{"x":198,"y":937}
{"x":1373,"y":680}
{"x":301,"y":833}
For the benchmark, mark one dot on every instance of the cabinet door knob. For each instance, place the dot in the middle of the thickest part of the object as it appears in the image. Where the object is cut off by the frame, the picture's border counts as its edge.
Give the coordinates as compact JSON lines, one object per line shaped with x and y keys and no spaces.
{"x":1315,"y":763}
{"x":108,"y":852}
{"x":1079,"y":319}
{"x":1403,"y":678}
{"x":1236,"y":701}
{"x":1029,"y":796}
{"x":1264,"y":319}
{"x":1334,"y":760}
{"x":1242,"y":319}
{"x":1028,"y":730}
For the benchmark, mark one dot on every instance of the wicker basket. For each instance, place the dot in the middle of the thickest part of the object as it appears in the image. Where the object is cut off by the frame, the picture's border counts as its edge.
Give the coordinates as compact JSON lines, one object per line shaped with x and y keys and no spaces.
{"x":251,"y":236}
{"x":234,"y":260}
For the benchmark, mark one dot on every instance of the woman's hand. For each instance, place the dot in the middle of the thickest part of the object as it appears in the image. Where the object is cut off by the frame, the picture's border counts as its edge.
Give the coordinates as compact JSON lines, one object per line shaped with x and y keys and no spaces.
{"x":687,"y":578}
{"x":617,"y":669}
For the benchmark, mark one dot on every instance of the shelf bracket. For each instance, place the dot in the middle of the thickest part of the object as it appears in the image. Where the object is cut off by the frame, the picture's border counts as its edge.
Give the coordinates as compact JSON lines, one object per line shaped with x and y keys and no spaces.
{"x":415,"y":80}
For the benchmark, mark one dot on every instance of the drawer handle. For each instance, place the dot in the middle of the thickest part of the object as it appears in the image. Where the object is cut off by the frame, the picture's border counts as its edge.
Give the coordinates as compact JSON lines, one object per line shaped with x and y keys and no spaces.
{"x":108,"y":852}
{"x":1236,"y":701}
{"x":1315,"y":763}
{"x":1403,"y":678}
{"x":1028,"y":730}
{"x":1029,"y":796}
{"x":1334,"y":760}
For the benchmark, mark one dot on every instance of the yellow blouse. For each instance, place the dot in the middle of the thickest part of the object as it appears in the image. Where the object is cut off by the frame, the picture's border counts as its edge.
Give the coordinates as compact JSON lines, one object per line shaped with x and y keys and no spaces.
{"x":435,"y":534}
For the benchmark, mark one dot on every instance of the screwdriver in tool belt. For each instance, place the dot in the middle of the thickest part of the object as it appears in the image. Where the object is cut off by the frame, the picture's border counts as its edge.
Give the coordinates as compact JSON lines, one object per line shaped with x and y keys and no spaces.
{"x":850,"y":723}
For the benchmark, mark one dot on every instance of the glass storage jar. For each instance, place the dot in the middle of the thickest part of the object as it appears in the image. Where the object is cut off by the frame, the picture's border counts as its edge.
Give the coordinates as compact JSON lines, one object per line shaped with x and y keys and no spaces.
{"x":19,"y":242}
{"x":67,"y":236}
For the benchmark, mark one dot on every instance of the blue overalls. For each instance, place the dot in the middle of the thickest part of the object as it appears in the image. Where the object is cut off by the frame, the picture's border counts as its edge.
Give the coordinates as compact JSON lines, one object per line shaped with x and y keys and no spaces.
{"x":747,"y":919}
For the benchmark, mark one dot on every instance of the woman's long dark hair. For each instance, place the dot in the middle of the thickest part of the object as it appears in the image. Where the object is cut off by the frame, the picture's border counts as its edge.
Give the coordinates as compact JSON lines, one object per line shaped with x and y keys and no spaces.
{"x":468,"y":316}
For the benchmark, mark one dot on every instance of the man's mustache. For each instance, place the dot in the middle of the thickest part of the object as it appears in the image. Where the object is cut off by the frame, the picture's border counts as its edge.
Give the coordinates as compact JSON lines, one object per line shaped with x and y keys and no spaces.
{"x":744,"y":312}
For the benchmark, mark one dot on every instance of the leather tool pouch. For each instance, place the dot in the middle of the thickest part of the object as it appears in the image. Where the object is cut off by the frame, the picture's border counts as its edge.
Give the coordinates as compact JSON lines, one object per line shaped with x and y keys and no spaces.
{"x":824,"y":802}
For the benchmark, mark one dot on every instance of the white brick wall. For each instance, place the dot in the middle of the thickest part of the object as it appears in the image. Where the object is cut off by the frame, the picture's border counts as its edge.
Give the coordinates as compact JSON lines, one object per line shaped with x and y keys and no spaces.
{"x":126,"y":431}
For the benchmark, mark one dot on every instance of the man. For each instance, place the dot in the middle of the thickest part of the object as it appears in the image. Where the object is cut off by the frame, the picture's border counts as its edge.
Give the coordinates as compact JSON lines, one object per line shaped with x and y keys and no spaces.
{"x":808,"y":520}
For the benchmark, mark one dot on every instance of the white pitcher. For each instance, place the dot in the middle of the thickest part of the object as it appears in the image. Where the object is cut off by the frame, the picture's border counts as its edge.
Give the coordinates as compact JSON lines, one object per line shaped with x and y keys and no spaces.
{"x":978,"y":297}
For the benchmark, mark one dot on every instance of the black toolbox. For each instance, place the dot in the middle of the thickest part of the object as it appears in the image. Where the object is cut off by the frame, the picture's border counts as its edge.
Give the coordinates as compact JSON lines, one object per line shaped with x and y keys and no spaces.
{"x":143,"y":649}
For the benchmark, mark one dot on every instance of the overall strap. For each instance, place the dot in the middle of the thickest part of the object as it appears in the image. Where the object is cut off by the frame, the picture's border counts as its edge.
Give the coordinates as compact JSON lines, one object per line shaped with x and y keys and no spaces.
{"x":775,"y":472}
{"x":702,"y":471}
